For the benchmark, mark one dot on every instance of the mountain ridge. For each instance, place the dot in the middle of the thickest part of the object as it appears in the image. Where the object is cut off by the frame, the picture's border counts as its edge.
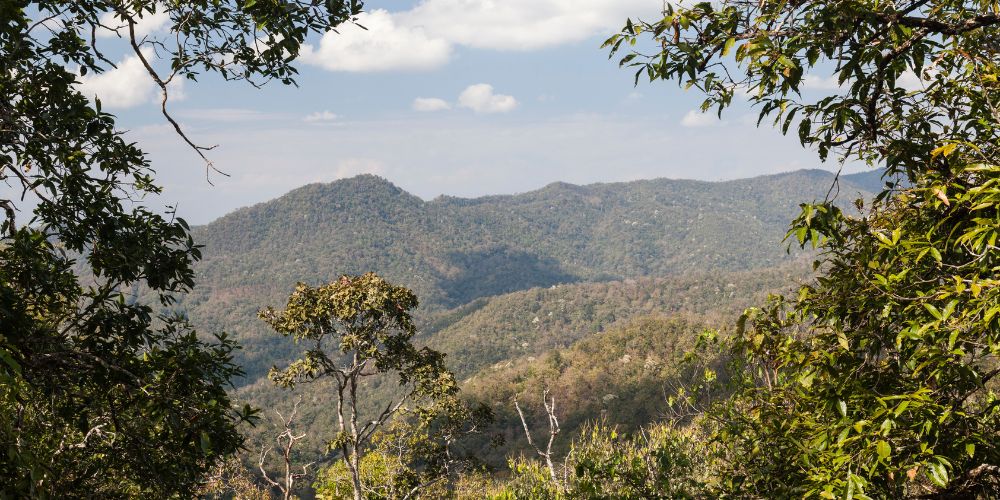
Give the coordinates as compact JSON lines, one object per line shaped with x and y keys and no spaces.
{"x":867,"y":180}
{"x":451,"y":252}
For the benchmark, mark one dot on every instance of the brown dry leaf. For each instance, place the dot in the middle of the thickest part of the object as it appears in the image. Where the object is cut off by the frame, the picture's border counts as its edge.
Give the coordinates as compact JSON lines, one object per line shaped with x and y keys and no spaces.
{"x":941,"y":196}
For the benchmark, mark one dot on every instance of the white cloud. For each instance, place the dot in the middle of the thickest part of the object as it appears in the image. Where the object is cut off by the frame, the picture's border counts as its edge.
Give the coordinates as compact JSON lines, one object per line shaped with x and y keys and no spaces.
{"x":481,"y":99}
{"x":126,"y":86}
{"x":813,"y":82}
{"x":523,"y":24}
{"x":697,"y":119}
{"x":144,"y":26}
{"x":382,"y":45}
{"x":430,"y":104}
{"x":233,"y":115}
{"x":175,"y":90}
{"x":321,"y":116}
{"x":423,"y":37}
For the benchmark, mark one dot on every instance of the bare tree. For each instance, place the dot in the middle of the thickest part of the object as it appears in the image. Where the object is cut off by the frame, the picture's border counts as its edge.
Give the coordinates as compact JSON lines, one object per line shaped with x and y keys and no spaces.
{"x":549,"y":402}
{"x":286,"y":441}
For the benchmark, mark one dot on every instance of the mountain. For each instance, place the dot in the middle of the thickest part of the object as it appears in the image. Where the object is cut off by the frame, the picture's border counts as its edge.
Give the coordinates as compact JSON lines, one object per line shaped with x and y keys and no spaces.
{"x":452,"y":251}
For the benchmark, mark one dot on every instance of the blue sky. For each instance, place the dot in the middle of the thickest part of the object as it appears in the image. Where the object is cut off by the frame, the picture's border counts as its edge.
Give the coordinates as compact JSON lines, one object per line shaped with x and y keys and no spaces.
{"x":456,"y":97}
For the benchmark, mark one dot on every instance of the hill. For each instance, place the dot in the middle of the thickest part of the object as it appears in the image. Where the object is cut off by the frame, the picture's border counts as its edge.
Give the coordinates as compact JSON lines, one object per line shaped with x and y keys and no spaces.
{"x":452,"y":251}
{"x":532,"y":322}
{"x":620,"y":377}
{"x":499,"y":345}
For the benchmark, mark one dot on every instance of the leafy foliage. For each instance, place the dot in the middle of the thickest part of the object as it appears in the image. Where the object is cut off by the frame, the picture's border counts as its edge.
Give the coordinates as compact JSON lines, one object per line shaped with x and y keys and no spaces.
{"x":98,"y":393}
{"x":878,"y":380}
{"x":369,"y":322}
{"x":660,"y":462}
{"x":497,"y":349}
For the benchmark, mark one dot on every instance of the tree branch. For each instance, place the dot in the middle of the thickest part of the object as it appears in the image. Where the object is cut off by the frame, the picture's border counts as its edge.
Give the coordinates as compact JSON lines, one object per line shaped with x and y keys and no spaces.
{"x":209,"y":166}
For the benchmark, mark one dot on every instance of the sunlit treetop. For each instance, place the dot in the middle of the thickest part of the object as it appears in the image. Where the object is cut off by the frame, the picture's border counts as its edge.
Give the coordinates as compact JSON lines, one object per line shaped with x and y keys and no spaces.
{"x":912,"y":76}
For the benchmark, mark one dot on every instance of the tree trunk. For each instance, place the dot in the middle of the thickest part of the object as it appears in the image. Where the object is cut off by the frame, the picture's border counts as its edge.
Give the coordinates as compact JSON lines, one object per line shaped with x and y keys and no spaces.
{"x":356,"y":475}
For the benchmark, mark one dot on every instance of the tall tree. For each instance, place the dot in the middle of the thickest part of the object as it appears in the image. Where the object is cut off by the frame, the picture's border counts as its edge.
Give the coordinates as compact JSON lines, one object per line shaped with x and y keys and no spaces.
{"x":880,"y":378}
{"x":98,"y":393}
{"x":367,"y":321}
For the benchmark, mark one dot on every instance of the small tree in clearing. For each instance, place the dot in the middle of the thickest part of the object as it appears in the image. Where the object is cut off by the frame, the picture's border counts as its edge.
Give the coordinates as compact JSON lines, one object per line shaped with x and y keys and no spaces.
{"x":367,"y":321}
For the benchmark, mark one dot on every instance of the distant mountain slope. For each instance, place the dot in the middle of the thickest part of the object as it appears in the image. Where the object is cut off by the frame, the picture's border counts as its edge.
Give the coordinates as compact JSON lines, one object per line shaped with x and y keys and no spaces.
{"x":495,"y":342}
{"x":451,"y":251}
{"x":531,"y":322}
{"x":620,"y":377}
{"x":870,"y":181}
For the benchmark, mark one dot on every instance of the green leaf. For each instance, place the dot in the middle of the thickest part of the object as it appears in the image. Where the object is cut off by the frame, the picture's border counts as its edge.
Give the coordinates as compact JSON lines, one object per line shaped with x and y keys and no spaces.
{"x":936,"y":254}
{"x":933,"y":310}
{"x":883,"y":449}
{"x":938,"y":474}
{"x":206,"y":443}
{"x":728,"y":46}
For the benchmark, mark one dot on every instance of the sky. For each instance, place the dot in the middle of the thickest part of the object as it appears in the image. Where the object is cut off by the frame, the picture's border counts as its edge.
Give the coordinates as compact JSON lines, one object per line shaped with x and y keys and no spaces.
{"x":442,"y":97}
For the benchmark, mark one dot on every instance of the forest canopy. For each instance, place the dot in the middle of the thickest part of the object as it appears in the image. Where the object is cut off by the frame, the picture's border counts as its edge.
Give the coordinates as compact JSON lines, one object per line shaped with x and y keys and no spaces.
{"x":100,"y":393}
{"x":878,"y":379}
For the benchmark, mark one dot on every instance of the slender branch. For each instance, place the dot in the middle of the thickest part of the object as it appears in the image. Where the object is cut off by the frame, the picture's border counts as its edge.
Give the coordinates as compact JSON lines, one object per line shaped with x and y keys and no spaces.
{"x":160,"y":82}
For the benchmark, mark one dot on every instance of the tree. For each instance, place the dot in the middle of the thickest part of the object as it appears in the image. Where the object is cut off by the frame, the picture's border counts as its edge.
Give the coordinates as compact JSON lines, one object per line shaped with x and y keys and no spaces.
{"x":549,"y":402}
{"x":368,"y":322}
{"x":879,"y":379}
{"x":100,"y":393}
{"x":286,"y":440}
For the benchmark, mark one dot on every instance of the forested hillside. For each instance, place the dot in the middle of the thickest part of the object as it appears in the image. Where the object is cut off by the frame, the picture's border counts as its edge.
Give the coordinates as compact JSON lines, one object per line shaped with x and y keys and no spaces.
{"x":452,"y":251}
{"x":509,"y":283}
{"x":533,"y":321}
{"x":499,"y":345}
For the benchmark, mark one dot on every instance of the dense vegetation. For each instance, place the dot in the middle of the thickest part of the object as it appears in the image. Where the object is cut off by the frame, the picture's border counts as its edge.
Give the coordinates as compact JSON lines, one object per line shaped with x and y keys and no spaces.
{"x":453,"y":251}
{"x":620,"y":377}
{"x":588,"y":323}
{"x":879,"y":378}
{"x":500,"y":333}
{"x":100,"y":395}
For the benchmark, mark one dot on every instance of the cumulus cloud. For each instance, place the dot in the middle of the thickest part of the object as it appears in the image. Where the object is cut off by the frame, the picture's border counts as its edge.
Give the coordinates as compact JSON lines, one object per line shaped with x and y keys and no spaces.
{"x":523,"y":24}
{"x":481,"y":99}
{"x":423,"y":37}
{"x":697,"y":119}
{"x":126,"y":86}
{"x":144,"y":26}
{"x":321,"y":116}
{"x":382,"y":45}
{"x":430,"y":104}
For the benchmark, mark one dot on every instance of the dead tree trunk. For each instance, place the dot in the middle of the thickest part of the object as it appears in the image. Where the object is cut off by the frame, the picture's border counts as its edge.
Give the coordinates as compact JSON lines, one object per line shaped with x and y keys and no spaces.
{"x":286,"y":441}
{"x":549,"y":402}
